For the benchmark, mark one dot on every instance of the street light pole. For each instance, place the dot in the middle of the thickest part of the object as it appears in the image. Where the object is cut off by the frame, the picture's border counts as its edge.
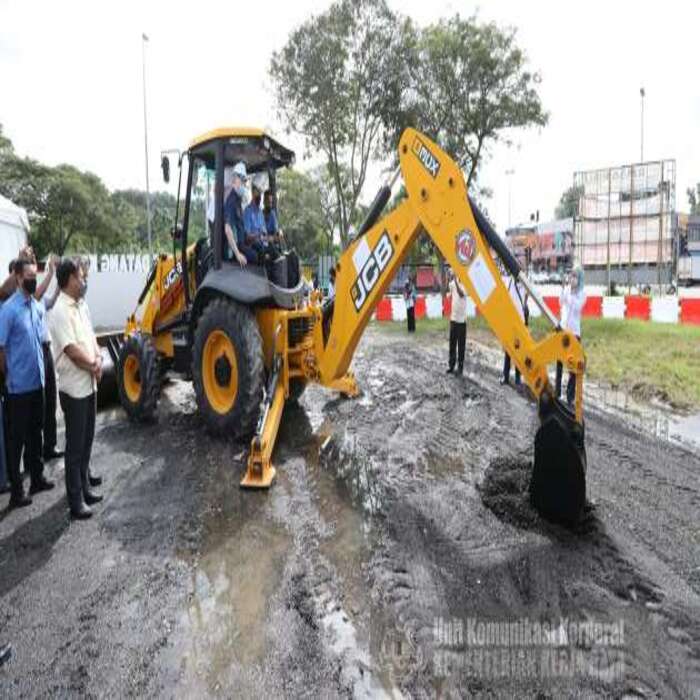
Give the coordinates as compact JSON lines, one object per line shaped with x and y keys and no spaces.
{"x":509,"y":173}
{"x":642,"y":93}
{"x":144,"y":41}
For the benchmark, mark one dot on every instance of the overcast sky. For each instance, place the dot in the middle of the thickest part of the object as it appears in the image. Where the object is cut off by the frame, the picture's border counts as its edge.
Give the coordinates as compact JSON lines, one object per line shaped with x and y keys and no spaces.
{"x":71,"y":90}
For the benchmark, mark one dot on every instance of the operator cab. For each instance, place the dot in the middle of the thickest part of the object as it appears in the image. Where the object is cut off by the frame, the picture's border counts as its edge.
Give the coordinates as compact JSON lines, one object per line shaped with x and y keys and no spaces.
{"x":278,"y":281}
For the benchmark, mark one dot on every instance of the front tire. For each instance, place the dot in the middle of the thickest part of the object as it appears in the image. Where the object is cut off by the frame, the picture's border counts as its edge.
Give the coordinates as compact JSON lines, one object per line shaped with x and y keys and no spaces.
{"x":227,"y":368}
{"x":139,"y":377}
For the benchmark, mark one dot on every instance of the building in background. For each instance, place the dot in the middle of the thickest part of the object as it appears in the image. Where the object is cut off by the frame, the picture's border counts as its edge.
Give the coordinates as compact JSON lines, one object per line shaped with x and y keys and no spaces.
{"x":553,"y":253}
{"x":543,"y":249}
{"x":688,"y":249}
{"x":625,"y":231}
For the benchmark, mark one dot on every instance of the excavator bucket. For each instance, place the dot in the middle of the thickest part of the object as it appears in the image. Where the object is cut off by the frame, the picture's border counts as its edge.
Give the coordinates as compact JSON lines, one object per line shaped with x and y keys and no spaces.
{"x":558,"y":483}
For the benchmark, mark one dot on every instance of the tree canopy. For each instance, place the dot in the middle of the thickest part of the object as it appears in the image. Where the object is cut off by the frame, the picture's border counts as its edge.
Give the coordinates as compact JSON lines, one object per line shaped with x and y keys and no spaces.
{"x":568,"y":203}
{"x":338,"y":80}
{"x":352,"y":78}
{"x":72,"y":211}
{"x":694,"y":199}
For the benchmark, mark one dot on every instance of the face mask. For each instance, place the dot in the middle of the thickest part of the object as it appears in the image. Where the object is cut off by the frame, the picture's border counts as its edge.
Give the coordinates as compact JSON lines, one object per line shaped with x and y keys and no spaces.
{"x":29,"y":285}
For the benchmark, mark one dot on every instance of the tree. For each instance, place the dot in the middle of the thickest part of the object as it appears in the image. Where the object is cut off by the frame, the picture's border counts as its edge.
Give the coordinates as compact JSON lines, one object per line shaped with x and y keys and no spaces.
{"x":130,"y":210}
{"x":469,"y":86}
{"x":6,"y":147}
{"x":338,"y":81}
{"x":300,"y":213}
{"x":694,"y":199}
{"x":568,"y":203}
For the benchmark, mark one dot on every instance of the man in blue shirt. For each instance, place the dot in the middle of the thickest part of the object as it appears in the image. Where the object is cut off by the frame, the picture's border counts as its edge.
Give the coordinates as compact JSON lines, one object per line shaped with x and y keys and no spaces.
{"x":270,"y":213}
{"x":22,"y":363}
{"x":255,"y":223}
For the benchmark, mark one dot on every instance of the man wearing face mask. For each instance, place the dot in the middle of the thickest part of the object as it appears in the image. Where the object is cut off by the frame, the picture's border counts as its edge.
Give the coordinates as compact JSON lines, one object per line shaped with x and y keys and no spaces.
{"x":22,"y":363}
{"x":234,"y":227}
{"x":79,"y":366}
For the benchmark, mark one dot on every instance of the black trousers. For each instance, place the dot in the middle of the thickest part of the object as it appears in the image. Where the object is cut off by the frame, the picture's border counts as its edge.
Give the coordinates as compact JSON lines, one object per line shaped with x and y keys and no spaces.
{"x":411,"y":318}
{"x":49,"y":401}
{"x":79,"y":416}
{"x":571,"y":385}
{"x":25,"y":421}
{"x":506,"y":370}
{"x":458,"y":338}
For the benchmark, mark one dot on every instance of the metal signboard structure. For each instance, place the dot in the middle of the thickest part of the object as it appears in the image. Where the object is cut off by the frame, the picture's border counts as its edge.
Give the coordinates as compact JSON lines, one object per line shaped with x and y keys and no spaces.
{"x":624,"y":231}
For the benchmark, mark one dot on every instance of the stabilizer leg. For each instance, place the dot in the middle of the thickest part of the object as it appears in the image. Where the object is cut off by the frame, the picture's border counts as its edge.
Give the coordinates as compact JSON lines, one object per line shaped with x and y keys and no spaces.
{"x":260,"y":472}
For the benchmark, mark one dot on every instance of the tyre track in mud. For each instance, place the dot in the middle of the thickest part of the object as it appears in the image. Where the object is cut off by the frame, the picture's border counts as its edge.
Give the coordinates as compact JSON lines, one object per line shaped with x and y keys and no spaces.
{"x":432,"y":440}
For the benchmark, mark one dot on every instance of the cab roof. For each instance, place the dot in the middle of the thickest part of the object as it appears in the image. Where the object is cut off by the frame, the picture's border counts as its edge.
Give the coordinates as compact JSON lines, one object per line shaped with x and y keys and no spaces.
{"x":254,"y":147}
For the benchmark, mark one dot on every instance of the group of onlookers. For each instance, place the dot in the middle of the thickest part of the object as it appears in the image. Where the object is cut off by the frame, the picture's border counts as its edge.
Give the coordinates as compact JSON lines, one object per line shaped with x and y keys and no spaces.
{"x":572,"y":301}
{"x":48,"y":351}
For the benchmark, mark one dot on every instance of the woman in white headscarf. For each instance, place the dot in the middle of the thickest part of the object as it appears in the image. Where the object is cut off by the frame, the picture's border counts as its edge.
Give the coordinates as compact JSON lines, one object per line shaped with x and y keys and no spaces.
{"x":572,"y":301}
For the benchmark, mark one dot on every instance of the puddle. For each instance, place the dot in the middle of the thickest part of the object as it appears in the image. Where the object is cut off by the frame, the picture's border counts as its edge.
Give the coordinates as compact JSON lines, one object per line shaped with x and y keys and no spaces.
{"x":655,"y":420}
{"x":233,"y":579}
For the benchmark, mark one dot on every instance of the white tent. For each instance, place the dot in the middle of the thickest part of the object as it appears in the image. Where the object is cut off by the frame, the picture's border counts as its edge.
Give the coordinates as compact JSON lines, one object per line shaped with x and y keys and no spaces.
{"x":14,"y":227}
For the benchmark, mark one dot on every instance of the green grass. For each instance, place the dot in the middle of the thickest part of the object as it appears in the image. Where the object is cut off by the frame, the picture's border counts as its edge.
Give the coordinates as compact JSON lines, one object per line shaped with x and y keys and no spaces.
{"x":650,"y":360}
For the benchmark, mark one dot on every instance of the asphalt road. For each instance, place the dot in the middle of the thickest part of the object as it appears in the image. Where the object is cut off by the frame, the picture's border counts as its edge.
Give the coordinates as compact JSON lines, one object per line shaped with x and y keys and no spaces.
{"x":397,"y":532}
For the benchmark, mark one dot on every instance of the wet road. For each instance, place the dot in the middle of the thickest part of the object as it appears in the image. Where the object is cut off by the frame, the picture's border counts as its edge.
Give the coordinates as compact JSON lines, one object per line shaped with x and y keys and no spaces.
{"x":395,"y":519}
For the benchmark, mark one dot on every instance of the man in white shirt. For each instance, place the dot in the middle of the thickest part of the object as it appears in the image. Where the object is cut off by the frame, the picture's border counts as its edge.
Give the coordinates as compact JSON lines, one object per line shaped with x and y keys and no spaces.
{"x":572,"y":301}
{"x":458,"y":325}
{"x":79,"y":368}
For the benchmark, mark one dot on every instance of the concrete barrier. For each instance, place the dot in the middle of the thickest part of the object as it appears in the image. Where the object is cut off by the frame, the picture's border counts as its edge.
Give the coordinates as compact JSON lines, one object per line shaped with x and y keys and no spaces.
{"x":638,"y":307}
{"x":433,"y":305}
{"x":665,"y":309}
{"x":690,"y":311}
{"x":614,"y":307}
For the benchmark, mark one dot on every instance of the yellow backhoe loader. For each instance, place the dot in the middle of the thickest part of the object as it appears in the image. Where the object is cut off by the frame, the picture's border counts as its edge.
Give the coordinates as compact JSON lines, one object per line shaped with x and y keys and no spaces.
{"x":252,"y":337}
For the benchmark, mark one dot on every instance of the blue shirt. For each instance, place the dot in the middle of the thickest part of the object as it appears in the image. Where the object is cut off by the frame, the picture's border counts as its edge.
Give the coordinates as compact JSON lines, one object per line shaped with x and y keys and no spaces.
{"x":271,"y":225}
{"x":21,"y":333}
{"x":254,"y":220}
{"x":233,"y":216}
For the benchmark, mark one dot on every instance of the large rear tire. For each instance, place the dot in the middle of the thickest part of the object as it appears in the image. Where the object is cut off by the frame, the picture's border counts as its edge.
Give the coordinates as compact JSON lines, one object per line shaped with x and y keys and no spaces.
{"x":227,"y":368}
{"x":139,"y":377}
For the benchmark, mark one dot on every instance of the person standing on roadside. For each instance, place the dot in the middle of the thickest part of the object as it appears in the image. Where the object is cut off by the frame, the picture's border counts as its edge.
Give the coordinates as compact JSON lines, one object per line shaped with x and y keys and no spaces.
{"x":409,"y":295}
{"x":518,"y":295}
{"x":22,"y":363}
{"x":572,"y":301}
{"x":50,"y":389}
{"x":79,"y":367}
{"x":458,"y":325}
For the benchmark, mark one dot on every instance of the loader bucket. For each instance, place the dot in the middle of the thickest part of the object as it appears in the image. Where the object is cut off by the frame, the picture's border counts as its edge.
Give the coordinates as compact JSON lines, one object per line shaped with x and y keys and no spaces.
{"x":558,"y":483}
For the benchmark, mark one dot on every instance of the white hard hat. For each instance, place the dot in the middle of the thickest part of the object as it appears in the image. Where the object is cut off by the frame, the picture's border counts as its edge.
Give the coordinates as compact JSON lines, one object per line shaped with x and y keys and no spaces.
{"x":260,"y":182}
{"x":239,"y":169}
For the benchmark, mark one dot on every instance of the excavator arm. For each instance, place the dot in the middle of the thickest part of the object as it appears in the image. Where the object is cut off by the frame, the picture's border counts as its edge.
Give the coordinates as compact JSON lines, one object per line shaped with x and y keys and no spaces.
{"x":438,"y":203}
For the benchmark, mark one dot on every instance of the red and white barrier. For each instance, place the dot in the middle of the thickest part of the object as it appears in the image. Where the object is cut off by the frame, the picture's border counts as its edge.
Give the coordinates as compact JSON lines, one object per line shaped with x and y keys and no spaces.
{"x":666,"y":309}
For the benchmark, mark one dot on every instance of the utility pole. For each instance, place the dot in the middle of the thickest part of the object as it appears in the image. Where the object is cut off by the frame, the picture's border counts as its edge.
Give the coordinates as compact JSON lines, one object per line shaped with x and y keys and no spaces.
{"x":144,"y":41}
{"x":509,"y":173}
{"x":642,"y":94}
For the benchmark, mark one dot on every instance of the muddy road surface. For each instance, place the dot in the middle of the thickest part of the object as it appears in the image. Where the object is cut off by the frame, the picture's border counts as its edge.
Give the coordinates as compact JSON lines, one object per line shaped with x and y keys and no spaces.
{"x":395,"y":556}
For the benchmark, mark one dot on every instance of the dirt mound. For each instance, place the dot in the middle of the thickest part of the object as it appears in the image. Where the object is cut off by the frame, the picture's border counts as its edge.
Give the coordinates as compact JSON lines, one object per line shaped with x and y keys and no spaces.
{"x":505,"y":492}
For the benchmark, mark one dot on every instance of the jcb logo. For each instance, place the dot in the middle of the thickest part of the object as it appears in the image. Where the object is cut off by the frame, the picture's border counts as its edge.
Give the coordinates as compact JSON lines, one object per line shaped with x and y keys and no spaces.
{"x":172,"y":276}
{"x":373,"y":266}
{"x":430,"y":162}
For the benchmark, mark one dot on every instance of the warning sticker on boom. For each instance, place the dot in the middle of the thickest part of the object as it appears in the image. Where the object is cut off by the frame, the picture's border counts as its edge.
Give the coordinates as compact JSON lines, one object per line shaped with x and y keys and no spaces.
{"x":481,"y":278}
